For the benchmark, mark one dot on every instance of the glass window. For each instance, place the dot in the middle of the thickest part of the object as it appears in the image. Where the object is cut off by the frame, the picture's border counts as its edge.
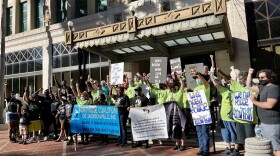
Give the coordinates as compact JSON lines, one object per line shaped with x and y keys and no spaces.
{"x":95,"y":73}
{"x":23,"y":67}
{"x":61,"y":11}
{"x":75,"y":75}
{"x":65,"y":60}
{"x":274,"y":27}
{"x":9,"y":21}
{"x":16,"y":68}
{"x":30,"y":66}
{"x":16,"y":85}
{"x":81,"y":8}
{"x":38,"y":65}
{"x":101,"y":5}
{"x":103,"y":59}
{"x":74,"y":60}
{"x":9,"y":85}
{"x":262,"y":29}
{"x":104,"y":73}
{"x":39,"y":15}
{"x":38,"y":82}
{"x":23,"y":84}
{"x":9,"y":69}
{"x":66,"y":76}
{"x":23,"y":17}
{"x":56,"y":62}
{"x":94,"y":58}
{"x":31,"y":84}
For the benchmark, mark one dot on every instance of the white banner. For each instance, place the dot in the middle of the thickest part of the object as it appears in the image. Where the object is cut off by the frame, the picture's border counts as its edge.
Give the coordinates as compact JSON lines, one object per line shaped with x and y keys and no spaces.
{"x":190,"y":81}
{"x":148,"y":122}
{"x":243,"y":106}
{"x":116,"y":75}
{"x":199,"y":108}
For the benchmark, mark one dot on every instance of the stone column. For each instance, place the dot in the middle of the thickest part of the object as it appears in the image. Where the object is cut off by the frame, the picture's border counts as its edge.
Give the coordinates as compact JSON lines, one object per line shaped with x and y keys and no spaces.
{"x":223,"y":61}
{"x":15,"y":13}
{"x":47,"y":61}
{"x":238,"y":27}
{"x":71,"y":10}
{"x":30,"y":15}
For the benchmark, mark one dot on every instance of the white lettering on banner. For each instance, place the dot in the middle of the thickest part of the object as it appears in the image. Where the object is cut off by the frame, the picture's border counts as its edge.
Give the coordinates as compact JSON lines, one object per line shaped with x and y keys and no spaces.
{"x":148,"y":124}
{"x":156,"y":64}
{"x":158,"y":60}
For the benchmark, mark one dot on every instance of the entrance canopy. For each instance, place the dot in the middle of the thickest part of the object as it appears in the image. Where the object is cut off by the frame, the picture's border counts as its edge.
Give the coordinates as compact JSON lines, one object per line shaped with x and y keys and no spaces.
{"x":192,"y":30}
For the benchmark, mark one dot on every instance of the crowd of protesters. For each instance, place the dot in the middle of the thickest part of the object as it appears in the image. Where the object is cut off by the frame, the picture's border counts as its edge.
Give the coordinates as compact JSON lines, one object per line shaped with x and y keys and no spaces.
{"x":42,"y":110}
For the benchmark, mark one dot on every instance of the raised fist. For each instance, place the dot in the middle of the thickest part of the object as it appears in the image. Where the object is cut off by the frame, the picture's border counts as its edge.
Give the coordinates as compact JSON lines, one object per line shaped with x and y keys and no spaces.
{"x":211,"y":56}
{"x":251,"y":71}
{"x":232,"y":67}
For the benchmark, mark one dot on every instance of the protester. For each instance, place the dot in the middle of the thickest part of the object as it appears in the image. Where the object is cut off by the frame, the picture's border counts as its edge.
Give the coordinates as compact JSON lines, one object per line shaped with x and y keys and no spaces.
{"x":102,"y":102}
{"x":23,"y":123}
{"x":69,"y":109}
{"x":202,"y":130}
{"x":268,"y":105}
{"x":63,"y":86}
{"x":121,"y":101}
{"x":54,"y":107}
{"x":61,"y":114}
{"x":140,"y":100}
{"x":13,"y":108}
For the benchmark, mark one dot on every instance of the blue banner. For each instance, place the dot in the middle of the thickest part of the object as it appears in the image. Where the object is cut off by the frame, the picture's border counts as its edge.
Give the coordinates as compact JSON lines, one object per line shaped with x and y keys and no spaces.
{"x":95,"y":119}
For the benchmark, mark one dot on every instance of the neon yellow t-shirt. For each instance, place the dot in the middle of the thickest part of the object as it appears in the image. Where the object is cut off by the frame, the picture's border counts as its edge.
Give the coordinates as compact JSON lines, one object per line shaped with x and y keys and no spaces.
{"x":178,"y":97}
{"x":83,"y":102}
{"x":130,"y":92}
{"x":160,"y":95}
{"x":185,"y":99}
{"x":236,"y":87}
{"x":225,"y":108}
{"x":138,"y":84}
{"x":95,"y":96}
{"x":206,"y":91}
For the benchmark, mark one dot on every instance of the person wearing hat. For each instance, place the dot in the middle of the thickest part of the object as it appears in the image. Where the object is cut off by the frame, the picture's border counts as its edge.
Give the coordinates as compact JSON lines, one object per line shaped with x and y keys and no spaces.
{"x":140,"y":100}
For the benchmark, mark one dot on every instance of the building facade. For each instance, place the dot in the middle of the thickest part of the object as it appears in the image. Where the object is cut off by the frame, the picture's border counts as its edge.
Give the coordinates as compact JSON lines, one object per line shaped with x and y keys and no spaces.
{"x":37,"y":48}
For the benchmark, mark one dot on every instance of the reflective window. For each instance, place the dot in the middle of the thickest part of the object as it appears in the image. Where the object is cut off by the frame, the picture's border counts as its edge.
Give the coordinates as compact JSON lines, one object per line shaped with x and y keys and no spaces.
{"x":81,"y":8}
{"x":101,"y":5}
{"x":61,"y":10}
{"x":23,"y":17}
{"x":39,"y":13}
{"x":9,"y":21}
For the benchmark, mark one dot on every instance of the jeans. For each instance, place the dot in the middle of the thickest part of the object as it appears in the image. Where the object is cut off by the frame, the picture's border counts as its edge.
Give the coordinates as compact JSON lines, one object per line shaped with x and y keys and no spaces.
{"x":123,"y":137}
{"x":228,"y":130}
{"x":203,"y":137}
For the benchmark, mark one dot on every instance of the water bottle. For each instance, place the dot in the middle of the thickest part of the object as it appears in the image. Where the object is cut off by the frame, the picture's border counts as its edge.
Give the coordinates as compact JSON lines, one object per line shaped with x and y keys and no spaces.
{"x":258,"y":132}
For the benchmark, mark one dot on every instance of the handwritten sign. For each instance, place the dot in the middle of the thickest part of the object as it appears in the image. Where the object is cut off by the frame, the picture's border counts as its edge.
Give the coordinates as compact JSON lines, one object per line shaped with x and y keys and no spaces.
{"x":158,"y":69}
{"x":199,"y":108}
{"x":176,"y":65}
{"x":116,"y":75}
{"x":243,"y":106}
{"x":95,"y":119}
{"x":190,"y":81}
{"x":148,"y":122}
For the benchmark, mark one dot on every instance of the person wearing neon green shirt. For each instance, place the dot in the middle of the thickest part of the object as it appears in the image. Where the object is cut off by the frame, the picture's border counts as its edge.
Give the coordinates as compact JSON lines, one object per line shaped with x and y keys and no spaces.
{"x":202,"y":130}
{"x":228,"y":126}
{"x":132,"y":85}
{"x":160,"y":93}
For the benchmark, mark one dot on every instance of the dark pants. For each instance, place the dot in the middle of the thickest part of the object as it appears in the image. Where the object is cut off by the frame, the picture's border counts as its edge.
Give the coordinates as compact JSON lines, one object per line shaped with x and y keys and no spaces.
{"x":104,"y":137}
{"x":203,"y":137}
{"x":123,"y":137}
{"x":83,"y":136}
{"x":244,"y":131}
{"x":68,"y":129}
{"x":47,"y":120}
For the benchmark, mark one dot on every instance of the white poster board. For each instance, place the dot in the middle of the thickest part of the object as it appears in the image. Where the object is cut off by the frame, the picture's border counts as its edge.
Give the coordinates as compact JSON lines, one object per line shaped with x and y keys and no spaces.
{"x":190,"y":81}
{"x":148,"y":122}
{"x":199,"y":108}
{"x":116,"y":75}
{"x":243,"y":106}
{"x":175,"y":65}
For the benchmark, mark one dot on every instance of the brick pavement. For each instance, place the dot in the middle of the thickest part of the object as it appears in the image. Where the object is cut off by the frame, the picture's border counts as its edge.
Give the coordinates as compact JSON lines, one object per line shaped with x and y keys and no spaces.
{"x":50,"y":148}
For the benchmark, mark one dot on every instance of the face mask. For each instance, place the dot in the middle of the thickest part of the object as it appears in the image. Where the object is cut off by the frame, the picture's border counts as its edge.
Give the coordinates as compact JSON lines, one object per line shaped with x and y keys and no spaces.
{"x":263,"y":82}
{"x":136,"y":92}
{"x":103,"y":85}
{"x":168,"y":79}
{"x":82,"y":98}
{"x":198,"y":81}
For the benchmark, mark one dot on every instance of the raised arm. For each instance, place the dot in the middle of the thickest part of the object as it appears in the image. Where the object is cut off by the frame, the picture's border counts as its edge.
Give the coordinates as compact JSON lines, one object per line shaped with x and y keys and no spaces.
{"x":73,"y":89}
{"x":215,"y":83}
{"x":225,"y":76}
{"x":182,"y":84}
{"x":249,"y":80}
{"x":78,"y":89}
{"x":26,"y":95}
{"x":89,"y":86}
{"x":50,"y":90}
{"x":148,"y":83}
{"x":56,"y":81}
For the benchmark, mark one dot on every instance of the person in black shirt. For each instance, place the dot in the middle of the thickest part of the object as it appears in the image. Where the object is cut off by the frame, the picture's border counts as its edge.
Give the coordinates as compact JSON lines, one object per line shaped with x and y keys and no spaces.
{"x":140,"y":100}
{"x":61,"y":114}
{"x":54,"y":107}
{"x":63,"y":87}
{"x":102,"y":102}
{"x":69,"y":105}
{"x":122,"y":102}
{"x":23,"y":123}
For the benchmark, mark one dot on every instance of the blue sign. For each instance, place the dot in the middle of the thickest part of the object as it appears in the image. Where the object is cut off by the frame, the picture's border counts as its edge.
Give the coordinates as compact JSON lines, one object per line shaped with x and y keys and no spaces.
{"x":95,"y":119}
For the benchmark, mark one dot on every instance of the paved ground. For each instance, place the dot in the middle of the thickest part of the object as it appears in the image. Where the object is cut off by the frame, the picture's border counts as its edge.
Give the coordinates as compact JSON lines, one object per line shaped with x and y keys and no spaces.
{"x":50,"y":148}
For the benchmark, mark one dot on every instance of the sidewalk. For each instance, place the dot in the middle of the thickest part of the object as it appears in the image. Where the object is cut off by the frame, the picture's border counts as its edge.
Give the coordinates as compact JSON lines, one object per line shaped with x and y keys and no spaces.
{"x":51,"y":148}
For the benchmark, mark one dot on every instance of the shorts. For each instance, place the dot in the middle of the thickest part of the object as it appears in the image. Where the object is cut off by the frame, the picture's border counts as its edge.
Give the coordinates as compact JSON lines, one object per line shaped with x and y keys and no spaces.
{"x":271,"y":132}
{"x":34,"y":126}
{"x":228,"y":129}
{"x":23,"y":130}
{"x":11,"y":117}
{"x":244,"y":131}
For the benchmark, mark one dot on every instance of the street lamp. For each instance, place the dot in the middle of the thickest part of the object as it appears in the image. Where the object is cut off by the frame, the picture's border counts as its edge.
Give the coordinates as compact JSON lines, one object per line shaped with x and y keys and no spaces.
{"x":70,"y":25}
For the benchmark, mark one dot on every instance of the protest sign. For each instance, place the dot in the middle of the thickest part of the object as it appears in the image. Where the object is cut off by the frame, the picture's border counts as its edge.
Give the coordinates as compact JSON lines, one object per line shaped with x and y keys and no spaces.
{"x":190,"y":81}
{"x":243,"y":106}
{"x":95,"y":119}
{"x":116,"y":75}
{"x":175,"y":65}
{"x":199,"y":108}
{"x":158,"y":69}
{"x":148,"y":122}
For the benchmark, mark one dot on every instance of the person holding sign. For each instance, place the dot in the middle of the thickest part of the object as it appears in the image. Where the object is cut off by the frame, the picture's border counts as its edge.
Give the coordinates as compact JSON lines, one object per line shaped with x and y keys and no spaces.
{"x":268,"y":106}
{"x":160,"y":93}
{"x":227,"y":124}
{"x":82,"y":98}
{"x":122,"y":102}
{"x":202,"y":130}
{"x":140,"y":100}
{"x":132,"y":85}
{"x":244,"y":128}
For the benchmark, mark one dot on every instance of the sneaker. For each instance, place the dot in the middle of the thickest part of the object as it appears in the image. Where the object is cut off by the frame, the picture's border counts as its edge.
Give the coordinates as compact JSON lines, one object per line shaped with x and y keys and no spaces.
{"x":176,"y":147}
{"x":46,"y":138}
{"x":226,"y":152}
{"x":235,"y":153}
{"x":182,"y":148}
{"x":199,"y":153}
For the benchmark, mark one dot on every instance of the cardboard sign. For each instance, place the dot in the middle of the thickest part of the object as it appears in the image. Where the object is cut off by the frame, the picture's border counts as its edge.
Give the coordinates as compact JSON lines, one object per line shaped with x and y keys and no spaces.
{"x":148,"y":122}
{"x":190,"y":81}
{"x":158,"y":69}
{"x":176,"y":65}
{"x":116,"y":75}
{"x":243,"y":106}
{"x":199,"y":108}
{"x":95,"y":119}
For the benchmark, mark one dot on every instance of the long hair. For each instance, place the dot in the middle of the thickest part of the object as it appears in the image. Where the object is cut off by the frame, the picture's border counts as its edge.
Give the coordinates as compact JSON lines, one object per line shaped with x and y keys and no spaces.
{"x":271,"y":75}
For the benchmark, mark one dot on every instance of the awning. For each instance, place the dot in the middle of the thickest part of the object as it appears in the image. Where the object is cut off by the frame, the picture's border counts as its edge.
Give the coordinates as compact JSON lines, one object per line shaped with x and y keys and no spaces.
{"x":187,"y":31}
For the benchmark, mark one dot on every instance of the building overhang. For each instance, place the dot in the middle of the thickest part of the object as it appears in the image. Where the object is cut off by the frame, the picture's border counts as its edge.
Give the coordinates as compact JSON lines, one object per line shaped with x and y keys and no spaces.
{"x":192,"y":30}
